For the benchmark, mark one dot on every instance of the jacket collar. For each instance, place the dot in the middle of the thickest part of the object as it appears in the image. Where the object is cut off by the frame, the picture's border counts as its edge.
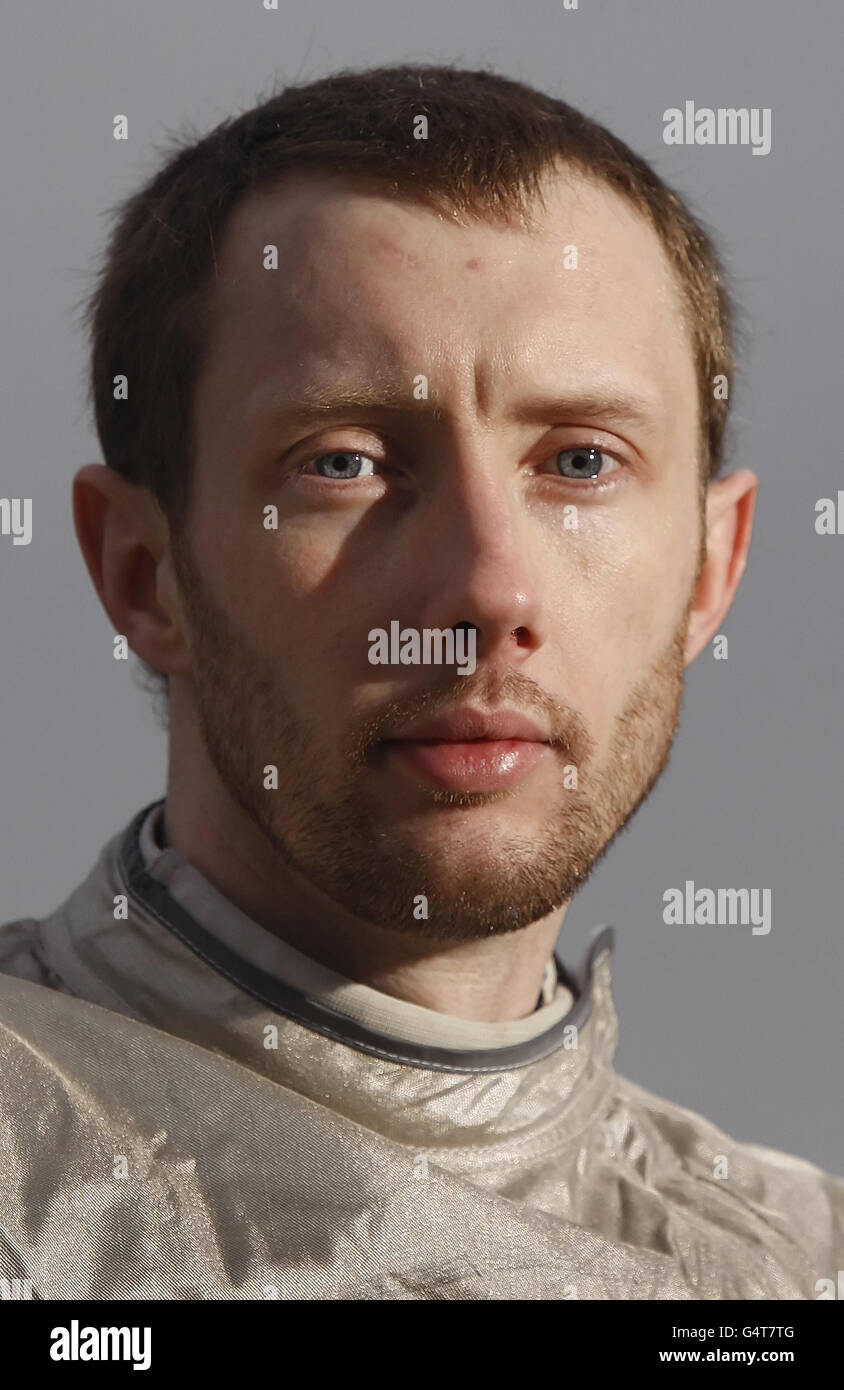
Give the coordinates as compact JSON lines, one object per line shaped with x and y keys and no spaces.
{"x":313,"y":1013}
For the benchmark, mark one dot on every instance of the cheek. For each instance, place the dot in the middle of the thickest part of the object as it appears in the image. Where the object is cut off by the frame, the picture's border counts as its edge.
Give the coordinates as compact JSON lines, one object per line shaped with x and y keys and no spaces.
{"x":619,"y":597}
{"x":313,"y":609}
{"x":299,"y":561}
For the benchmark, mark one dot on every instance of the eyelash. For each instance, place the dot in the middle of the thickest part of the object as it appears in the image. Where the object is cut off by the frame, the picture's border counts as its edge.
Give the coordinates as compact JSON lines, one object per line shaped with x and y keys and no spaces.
{"x":597,"y":484}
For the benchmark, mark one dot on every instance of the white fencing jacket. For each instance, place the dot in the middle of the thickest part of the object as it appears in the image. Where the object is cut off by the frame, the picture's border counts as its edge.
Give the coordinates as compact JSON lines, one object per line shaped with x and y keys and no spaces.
{"x":191,"y":1109}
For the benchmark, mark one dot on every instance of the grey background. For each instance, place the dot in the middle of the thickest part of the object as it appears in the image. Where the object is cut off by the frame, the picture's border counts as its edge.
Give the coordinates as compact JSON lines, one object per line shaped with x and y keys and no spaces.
{"x":745,"y":1029}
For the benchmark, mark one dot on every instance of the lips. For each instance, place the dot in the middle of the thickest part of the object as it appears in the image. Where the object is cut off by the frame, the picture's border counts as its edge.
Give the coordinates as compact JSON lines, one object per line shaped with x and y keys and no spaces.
{"x":468,"y":750}
{"x":468,"y":725}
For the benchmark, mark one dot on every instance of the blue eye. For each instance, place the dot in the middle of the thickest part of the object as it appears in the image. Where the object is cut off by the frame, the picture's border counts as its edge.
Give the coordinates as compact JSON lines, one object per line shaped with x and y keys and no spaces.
{"x":582,"y":463}
{"x":343,"y":464}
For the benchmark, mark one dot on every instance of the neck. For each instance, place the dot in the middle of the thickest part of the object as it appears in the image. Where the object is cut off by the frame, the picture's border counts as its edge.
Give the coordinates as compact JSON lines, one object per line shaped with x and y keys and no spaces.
{"x":494,"y":979}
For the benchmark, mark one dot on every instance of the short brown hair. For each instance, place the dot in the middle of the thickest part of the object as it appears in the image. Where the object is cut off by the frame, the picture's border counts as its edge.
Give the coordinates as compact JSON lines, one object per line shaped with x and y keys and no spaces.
{"x":491,"y":141}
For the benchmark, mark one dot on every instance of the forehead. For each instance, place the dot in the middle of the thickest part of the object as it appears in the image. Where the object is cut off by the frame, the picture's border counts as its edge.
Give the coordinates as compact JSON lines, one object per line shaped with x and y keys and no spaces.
{"x":369,"y":285}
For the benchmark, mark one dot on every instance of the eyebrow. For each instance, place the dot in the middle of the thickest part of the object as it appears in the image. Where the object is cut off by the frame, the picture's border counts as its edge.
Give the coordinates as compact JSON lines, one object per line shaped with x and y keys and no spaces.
{"x":620,"y":406}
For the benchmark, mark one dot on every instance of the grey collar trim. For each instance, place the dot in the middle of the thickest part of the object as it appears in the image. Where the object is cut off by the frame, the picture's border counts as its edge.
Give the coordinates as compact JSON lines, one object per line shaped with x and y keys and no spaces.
{"x":274,"y":993}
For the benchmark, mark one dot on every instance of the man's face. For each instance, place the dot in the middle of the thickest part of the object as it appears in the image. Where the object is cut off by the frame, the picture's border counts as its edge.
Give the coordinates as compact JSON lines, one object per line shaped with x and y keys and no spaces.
{"x":452,"y":501}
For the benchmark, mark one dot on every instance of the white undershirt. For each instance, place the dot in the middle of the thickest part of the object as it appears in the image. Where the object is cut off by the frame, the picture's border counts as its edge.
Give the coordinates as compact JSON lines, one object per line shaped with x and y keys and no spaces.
{"x":383,"y":1013}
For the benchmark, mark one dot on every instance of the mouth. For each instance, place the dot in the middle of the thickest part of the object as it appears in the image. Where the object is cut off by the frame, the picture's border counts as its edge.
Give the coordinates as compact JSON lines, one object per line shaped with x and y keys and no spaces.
{"x":479,"y":765}
{"x":469,"y":750}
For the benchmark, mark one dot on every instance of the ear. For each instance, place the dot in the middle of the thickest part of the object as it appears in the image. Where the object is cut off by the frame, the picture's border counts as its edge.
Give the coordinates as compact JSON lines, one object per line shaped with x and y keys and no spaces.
{"x":125,"y":541}
{"x":730,"y":505}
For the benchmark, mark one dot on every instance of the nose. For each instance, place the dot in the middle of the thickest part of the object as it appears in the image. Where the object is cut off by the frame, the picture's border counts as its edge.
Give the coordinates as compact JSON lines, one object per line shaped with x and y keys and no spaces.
{"x":478,"y":557}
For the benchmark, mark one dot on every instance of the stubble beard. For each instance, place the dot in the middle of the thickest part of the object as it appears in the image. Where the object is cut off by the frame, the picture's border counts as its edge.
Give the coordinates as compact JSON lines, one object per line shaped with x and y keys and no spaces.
{"x":336,"y":837}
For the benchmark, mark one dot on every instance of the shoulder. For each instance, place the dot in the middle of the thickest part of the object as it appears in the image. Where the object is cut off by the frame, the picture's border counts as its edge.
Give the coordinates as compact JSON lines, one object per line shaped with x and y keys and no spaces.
{"x":22,"y":952}
{"x":774,"y":1200}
